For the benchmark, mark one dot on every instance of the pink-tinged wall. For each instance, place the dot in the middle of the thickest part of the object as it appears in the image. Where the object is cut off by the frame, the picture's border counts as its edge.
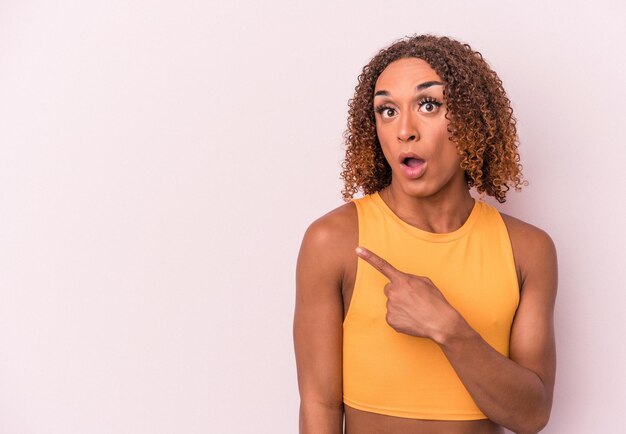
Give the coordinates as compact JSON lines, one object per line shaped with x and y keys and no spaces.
{"x":160,"y":161}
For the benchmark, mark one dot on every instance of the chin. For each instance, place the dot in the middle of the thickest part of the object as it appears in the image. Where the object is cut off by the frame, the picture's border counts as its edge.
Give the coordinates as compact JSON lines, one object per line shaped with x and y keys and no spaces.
{"x":418,"y":189}
{"x":423,"y":188}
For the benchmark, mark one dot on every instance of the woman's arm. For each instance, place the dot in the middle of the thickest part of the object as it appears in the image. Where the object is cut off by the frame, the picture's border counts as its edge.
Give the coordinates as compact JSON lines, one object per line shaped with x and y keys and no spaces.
{"x":514,"y":392}
{"x":318,"y":331}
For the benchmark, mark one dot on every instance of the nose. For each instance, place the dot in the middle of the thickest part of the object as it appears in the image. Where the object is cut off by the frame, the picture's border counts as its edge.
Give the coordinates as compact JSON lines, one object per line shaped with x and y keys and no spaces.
{"x":407,"y":128}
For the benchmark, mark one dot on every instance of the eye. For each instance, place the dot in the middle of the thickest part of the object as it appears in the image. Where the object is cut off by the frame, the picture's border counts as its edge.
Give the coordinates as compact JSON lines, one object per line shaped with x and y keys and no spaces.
{"x":429,"y":105}
{"x":385,"y":111}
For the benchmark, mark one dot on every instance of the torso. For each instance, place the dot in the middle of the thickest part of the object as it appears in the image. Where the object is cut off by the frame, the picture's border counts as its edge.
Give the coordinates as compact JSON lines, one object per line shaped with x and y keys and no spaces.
{"x":362,"y":422}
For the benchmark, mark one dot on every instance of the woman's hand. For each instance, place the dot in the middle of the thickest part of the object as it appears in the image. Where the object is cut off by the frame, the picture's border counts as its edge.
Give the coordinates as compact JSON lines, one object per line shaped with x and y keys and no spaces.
{"x":415,"y":306}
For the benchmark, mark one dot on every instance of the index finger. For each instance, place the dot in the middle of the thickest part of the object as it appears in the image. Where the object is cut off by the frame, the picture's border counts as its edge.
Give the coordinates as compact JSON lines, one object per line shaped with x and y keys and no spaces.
{"x":379,"y":263}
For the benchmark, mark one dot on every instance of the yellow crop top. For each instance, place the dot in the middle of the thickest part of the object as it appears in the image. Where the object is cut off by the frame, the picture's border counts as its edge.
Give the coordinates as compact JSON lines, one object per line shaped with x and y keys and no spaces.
{"x":397,"y":374}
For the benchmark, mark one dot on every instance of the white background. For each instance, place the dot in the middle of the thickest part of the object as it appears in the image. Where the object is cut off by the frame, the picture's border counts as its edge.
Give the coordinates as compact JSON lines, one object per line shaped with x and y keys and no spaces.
{"x":160,"y":161}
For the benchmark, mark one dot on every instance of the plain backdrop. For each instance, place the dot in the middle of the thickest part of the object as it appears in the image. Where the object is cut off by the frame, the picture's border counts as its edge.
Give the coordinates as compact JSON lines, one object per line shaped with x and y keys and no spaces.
{"x":161,"y":160}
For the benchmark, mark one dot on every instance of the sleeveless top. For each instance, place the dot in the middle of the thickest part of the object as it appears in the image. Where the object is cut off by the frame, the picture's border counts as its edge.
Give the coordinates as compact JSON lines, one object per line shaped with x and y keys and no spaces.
{"x":397,"y":374}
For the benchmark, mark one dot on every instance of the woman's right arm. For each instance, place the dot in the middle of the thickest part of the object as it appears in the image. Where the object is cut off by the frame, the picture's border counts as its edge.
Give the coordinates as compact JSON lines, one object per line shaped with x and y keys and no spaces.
{"x":318,"y":329}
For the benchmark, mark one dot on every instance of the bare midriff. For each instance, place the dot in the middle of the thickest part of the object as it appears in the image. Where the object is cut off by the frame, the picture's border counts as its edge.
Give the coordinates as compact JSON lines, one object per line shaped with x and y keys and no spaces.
{"x":363,"y":422}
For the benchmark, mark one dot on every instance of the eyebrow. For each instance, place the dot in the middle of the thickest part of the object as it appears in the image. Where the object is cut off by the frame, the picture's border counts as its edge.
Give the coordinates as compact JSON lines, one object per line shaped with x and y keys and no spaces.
{"x":419,"y":87}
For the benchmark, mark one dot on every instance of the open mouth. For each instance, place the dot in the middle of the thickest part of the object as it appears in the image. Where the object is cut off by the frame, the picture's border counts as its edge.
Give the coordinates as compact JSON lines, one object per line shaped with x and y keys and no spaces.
{"x":413,"y":166}
{"x":412,"y":161}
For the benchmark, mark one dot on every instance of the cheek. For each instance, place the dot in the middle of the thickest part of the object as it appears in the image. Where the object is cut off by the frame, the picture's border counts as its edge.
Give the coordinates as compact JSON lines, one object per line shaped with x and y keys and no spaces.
{"x":383,"y":139}
{"x":440,"y":138}
{"x":442,"y":130}
{"x":386,"y":151}
{"x":450,"y":153}
{"x":382,"y":132}
{"x":447,"y":155}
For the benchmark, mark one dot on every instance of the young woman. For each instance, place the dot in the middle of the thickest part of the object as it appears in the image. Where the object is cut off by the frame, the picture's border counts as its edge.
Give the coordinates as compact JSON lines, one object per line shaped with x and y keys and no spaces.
{"x":418,"y":308}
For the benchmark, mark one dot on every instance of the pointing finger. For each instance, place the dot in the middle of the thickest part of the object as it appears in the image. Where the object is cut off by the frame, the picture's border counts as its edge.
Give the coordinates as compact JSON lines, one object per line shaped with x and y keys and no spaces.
{"x":379,"y":263}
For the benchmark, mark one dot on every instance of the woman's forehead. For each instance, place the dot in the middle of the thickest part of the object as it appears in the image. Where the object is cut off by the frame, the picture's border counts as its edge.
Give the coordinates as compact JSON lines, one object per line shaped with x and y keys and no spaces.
{"x":408,"y":72}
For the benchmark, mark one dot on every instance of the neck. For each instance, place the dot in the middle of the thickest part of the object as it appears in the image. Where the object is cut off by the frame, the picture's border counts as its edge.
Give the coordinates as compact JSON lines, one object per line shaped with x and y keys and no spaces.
{"x":443,"y":212}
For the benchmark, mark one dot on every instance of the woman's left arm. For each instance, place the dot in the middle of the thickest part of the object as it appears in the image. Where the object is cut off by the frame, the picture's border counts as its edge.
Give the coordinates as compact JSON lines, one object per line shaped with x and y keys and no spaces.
{"x":515,"y":392}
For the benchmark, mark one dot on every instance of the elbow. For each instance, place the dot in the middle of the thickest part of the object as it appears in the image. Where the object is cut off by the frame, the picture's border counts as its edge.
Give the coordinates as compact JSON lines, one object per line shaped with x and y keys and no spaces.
{"x":325,"y":404}
{"x":321,"y":417}
{"x":542,"y":416}
{"x":535,"y":423}
{"x":543,"y":420}
{"x":539,"y":423}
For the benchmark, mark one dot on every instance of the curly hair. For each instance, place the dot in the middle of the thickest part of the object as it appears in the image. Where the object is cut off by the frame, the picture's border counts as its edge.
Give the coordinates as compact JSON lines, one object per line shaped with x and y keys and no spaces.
{"x":481,"y":121}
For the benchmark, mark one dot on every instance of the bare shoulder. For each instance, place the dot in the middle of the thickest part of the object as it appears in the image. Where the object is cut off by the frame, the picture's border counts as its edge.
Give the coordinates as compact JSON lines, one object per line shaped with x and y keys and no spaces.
{"x":525,"y":232}
{"x":334,"y":228}
{"x":332,"y":238}
{"x":533,"y":248}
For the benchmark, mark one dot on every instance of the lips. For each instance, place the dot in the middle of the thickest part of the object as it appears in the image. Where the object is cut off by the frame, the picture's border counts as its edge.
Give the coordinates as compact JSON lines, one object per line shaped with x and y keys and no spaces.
{"x":412,"y":165}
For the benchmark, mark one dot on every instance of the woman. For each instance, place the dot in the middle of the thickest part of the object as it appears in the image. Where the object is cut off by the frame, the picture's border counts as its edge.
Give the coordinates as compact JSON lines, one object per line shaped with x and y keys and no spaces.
{"x":418,"y":308}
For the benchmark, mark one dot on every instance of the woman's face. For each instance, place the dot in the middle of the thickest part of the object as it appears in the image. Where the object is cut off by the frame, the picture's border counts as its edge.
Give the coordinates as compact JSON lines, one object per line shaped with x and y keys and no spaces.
{"x":412,"y":129}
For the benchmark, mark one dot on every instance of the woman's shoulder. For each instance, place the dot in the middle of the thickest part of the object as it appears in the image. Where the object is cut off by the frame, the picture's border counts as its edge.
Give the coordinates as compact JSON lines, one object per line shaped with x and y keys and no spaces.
{"x":532,"y":246}
{"x":524,"y":232}
{"x":329,"y":242}
{"x":334,"y":227}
